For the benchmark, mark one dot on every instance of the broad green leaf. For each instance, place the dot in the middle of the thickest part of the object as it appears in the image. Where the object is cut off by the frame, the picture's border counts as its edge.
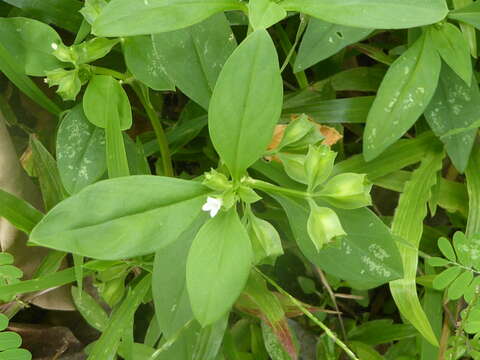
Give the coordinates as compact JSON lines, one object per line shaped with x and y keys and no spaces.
{"x":445,"y":278}
{"x":323,"y":39}
{"x":144,"y":62}
{"x":467,"y":249}
{"x":9,"y":340}
{"x":105,"y":100}
{"x":6,"y":259}
{"x":473,"y":186}
{"x":90,"y":309}
{"x":364,"y":351}
{"x":273,"y":345}
{"x":15,"y":354}
{"x":404,"y":94}
{"x":468,"y":31}
{"x":18,"y":212}
{"x":433,"y":306}
{"x":10,"y":272}
{"x":358,"y":79}
{"x":369,"y":259}
{"x":348,"y":110}
{"x":4,"y":320}
{"x":193,"y":57}
{"x":453,"y":48}
{"x":378,"y":332}
{"x":468,"y":14}
{"x":47,"y":172}
{"x":30,"y":43}
{"x":408,"y":226}
{"x":447,"y":249}
{"x":452,"y":115}
{"x":218,"y":265}
{"x":118,"y":225}
{"x":124,"y":18}
{"x":460,"y":285}
{"x":116,"y":155}
{"x":91,"y":9}
{"x":264,"y":13}
{"x":61,"y":13}
{"x":246,"y":103}
{"x":106,"y":347}
{"x":80,"y":151}
{"x":437,"y":261}
{"x":15,"y":73}
{"x":172,"y":304}
{"x":378,"y":14}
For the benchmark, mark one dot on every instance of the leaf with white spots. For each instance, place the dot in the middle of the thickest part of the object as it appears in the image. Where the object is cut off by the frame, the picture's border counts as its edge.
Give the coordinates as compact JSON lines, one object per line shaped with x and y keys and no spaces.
{"x":193,"y":57}
{"x":323,"y":39}
{"x":452,"y":113}
{"x":405,"y":92}
{"x":80,"y":151}
{"x":368,"y":251}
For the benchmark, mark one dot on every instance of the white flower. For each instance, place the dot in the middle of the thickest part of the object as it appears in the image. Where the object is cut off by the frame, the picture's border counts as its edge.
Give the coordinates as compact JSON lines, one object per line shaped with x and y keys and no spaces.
{"x":213,"y":205}
{"x":54,"y":46}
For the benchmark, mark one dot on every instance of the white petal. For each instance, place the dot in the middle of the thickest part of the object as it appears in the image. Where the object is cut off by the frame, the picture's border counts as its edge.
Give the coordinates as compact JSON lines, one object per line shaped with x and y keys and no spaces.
{"x":214,"y":212}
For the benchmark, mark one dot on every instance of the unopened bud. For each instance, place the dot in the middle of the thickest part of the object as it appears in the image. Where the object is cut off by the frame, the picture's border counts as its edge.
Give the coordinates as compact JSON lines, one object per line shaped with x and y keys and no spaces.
{"x":348,"y":191}
{"x":318,"y":165}
{"x":323,"y":226}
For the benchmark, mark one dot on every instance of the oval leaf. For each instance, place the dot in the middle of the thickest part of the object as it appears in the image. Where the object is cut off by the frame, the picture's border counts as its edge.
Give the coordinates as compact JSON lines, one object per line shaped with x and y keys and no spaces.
{"x":104,"y":221}
{"x":404,"y":94}
{"x":444,"y":279}
{"x":218,"y":265}
{"x":246,"y":103}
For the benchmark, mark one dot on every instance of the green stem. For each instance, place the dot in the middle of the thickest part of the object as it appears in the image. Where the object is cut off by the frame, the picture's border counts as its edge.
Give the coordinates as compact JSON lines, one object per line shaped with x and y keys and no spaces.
{"x":105,"y":71}
{"x":267,"y":187}
{"x":142,"y":94}
{"x":312,"y":317}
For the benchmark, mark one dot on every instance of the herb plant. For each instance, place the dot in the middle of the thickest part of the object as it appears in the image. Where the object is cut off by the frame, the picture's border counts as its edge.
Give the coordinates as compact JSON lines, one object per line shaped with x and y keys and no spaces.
{"x":262,"y":179}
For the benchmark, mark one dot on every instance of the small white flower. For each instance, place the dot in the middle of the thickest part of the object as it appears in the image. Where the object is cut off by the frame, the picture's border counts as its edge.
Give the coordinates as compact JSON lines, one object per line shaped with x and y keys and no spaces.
{"x":54,"y":46}
{"x":213,"y":205}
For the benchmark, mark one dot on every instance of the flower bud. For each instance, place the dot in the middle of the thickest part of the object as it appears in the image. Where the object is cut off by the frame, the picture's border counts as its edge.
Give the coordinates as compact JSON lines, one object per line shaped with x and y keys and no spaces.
{"x":216,"y":181}
{"x":63,"y":53}
{"x":323,"y":226}
{"x":68,"y":83}
{"x":296,"y":130}
{"x":294,"y":165}
{"x":348,"y":191}
{"x":318,"y":165}
{"x":265,"y":240}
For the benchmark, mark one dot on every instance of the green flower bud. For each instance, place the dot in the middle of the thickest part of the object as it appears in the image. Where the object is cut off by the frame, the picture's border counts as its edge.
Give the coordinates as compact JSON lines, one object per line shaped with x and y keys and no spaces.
{"x":63,"y":53}
{"x":348,"y":191}
{"x":294,"y":165}
{"x":68,"y":83}
{"x":248,"y":194}
{"x":92,"y":50}
{"x":313,"y":137}
{"x":318,"y":165}
{"x":296,"y":130}
{"x":323,"y":226}
{"x":216,"y":181}
{"x":265,"y":240}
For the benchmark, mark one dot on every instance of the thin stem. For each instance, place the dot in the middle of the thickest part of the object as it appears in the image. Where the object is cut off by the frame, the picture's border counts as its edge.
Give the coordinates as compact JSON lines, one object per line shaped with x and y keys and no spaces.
{"x":312,"y":317}
{"x":105,"y":71}
{"x":267,"y":187}
{"x":142,"y":94}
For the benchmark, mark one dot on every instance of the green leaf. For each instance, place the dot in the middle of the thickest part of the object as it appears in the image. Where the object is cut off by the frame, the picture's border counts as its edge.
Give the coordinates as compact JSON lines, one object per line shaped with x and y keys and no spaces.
{"x":460,"y":285}
{"x":91,"y":9}
{"x":467,"y":249}
{"x":116,"y":155}
{"x":193,"y":57}
{"x":473,"y":186}
{"x":145,"y":63}
{"x":404,"y":94}
{"x":47,"y":172}
{"x":246,"y":103}
{"x":119,"y":225}
{"x":437,"y":261}
{"x":408,"y":226}
{"x":105,"y":100}
{"x":383,"y":331}
{"x":368,"y":260}
{"x":15,"y":354}
{"x":172,"y":304}
{"x":9,"y":340}
{"x":30,"y":44}
{"x":323,"y":39}
{"x":218,"y":265}
{"x":4,"y":320}
{"x":124,"y":18}
{"x":15,"y":73}
{"x":18,"y":212}
{"x":468,"y":14}
{"x":91,"y":311}
{"x":444,"y":279}
{"x":364,"y":351}
{"x":264,"y":13}
{"x":6,"y":259}
{"x":80,"y":151}
{"x":452,"y":115}
{"x":274,"y":347}
{"x":106,"y":346}
{"x":453,"y":48}
{"x":379,"y":14}
{"x":447,"y":249}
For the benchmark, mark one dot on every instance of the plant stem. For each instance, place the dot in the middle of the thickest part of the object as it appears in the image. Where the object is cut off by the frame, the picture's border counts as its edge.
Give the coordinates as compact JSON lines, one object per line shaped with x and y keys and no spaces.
{"x":142,"y":94}
{"x":105,"y":71}
{"x":267,"y":187}
{"x":312,"y":317}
